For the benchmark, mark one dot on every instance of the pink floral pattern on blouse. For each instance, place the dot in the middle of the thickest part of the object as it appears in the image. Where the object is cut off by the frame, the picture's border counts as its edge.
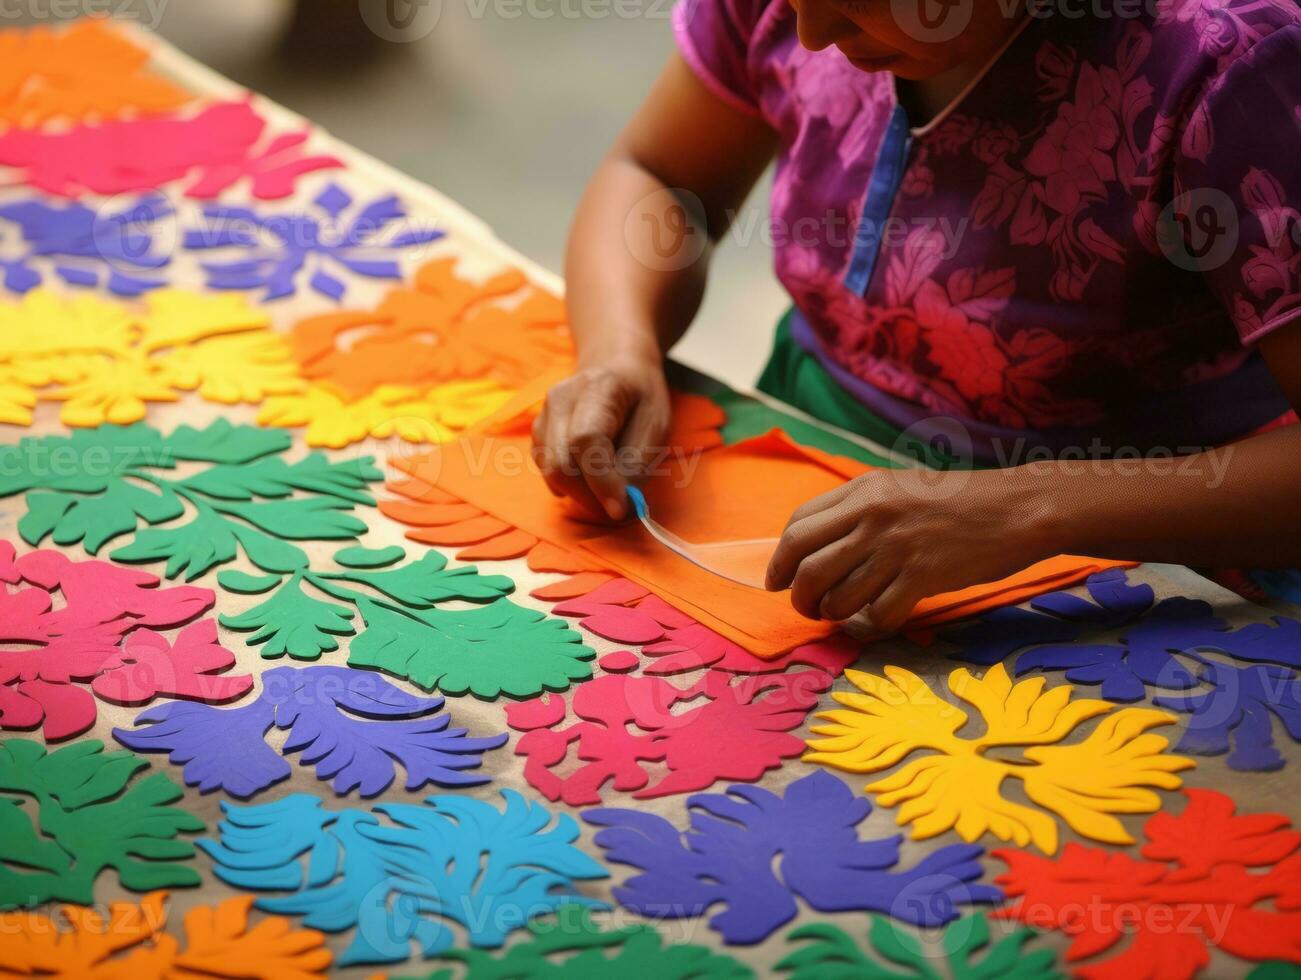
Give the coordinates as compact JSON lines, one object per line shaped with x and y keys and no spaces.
{"x":1091,"y":240}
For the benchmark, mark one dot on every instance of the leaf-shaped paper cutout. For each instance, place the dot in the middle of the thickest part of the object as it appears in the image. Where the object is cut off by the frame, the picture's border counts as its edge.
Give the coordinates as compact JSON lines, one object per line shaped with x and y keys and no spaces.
{"x":449,"y":859}
{"x":91,"y":815}
{"x":1129,"y":918}
{"x":353,"y":725}
{"x":958,"y":784}
{"x":754,"y":852}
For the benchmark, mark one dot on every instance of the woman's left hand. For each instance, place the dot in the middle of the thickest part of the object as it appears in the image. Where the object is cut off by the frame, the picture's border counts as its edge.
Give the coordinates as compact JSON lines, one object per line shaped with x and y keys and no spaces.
{"x":890,"y":538}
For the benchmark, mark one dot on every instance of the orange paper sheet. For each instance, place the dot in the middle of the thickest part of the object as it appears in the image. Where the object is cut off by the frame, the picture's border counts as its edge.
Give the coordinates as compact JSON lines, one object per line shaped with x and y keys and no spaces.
{"x":747,"y":490}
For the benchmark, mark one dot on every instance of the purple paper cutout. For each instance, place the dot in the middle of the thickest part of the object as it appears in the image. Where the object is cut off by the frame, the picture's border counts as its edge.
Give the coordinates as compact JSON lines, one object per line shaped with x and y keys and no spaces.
{"x":115,"y":248}
{"x":1233,"y":715}
{"x":726,"y":857}
{"x":279,"y":246}
{"x":351,"y":724}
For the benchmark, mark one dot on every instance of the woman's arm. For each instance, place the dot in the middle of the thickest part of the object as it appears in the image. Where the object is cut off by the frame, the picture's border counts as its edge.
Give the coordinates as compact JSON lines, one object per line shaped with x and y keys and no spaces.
{"x":635,"y":274}
{"x":891,"y":538}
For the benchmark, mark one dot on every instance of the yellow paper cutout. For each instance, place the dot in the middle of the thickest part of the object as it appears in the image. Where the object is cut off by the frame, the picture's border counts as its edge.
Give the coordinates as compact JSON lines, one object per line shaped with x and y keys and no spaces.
{"x":959,"y":787}
{"x":431,"y":416}
{"x":218,"y":944}
{"x":108,"y":359}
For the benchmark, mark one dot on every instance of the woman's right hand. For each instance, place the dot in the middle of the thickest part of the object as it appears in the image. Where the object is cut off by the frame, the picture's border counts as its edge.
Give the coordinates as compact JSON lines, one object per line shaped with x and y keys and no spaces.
{"x":602,"y":427}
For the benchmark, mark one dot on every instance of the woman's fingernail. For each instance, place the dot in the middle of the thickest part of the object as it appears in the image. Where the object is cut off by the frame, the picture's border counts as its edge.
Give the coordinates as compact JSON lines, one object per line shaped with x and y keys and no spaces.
{"x":614,"y":508}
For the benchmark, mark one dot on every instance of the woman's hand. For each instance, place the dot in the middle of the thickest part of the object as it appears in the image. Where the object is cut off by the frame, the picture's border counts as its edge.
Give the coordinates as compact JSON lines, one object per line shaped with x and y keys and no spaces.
{"x":600,"y":428}
{"x":890,"y":538}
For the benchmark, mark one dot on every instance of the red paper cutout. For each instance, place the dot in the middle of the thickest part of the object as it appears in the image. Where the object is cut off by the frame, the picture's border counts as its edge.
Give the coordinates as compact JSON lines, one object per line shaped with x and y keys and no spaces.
{"x":102,"y":634}
{"x":223,"y":143}
{"x":1206,"y":895}
{"x":630,"y":726}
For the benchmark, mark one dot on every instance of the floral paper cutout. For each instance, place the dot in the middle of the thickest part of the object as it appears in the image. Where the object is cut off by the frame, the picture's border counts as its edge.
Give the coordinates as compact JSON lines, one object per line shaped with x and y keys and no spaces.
{"x":85,"y":71}
{"x":827,"y":951}
{"x":728,"y":856}
{"x":218,"y":943}
{"x":640,"y":734}
{"x":213,"y":150}
{"x":105,"y":361}
{"x":449,"y":858}
{"x":102,"y":632}
{"x":82,"y":246}
{"x":1197,"y":888}
{"x":957,"y":785}
{"x":352,"y":724}
{"x":1230,"y":707}
{"x":573,"y":947}
{"x":333,"y":237}
{"x":89,"y":815}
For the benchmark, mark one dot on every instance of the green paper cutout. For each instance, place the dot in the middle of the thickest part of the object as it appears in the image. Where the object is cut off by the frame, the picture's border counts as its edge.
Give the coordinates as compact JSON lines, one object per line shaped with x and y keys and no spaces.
{"x":99,"y":484}
{"x":634,"y":951}
{"x":1275,"y":970}
{"x":361,"y":557}
{"x":233,"y":580}
{"x":833,"y":955}
{"x":89,"y":820}
{"x":497,"y":649}
{"x":293,"y":622}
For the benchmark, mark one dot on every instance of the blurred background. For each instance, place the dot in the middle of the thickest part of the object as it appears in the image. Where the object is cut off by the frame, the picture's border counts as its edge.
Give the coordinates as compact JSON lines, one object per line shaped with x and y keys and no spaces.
{"x":504,"y":105}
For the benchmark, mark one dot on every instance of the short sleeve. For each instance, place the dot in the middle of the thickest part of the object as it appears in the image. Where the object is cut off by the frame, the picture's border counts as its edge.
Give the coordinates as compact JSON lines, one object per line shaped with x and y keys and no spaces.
{"x":714,"y":38}
{"x":1236,"y":213}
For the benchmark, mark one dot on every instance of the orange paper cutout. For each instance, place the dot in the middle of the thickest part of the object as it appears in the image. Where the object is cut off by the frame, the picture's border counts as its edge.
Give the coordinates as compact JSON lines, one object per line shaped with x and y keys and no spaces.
{"x":746,"y":490}
{"x":87,"y":71}
{"x":444,"y":328}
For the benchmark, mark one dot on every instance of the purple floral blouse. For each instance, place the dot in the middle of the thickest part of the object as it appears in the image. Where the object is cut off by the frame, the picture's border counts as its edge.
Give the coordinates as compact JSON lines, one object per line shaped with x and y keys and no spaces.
{"x":1086,"y":245}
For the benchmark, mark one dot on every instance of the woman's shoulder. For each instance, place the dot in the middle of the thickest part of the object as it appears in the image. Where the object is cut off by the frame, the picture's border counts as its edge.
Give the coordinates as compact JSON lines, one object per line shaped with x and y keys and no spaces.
{"x":1214,"y":33}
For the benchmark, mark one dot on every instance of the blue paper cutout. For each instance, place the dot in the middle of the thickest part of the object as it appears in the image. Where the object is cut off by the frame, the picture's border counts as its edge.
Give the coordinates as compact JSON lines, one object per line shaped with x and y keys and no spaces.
{"x":451,"y":858}
{"x":279,"y":246}
{"x":113,"y":247}
{"x":353,"y":725}
{"x":1232,"y":716}
{"x":726,"y":857}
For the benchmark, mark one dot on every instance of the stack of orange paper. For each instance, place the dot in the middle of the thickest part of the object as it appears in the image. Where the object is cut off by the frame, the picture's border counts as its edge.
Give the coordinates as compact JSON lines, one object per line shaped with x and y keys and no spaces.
{"x":746,"y":490}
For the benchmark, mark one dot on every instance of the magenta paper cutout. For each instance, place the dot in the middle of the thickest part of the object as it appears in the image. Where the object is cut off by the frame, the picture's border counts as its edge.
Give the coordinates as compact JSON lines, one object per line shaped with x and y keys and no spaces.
{"x":626,"y":730}
{"x":104,"y":633}
{"x":224,"y":143}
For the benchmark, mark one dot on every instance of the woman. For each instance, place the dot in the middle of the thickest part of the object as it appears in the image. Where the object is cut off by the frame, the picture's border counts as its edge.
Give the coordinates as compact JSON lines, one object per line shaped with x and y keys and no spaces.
{"x":1068,"y":234}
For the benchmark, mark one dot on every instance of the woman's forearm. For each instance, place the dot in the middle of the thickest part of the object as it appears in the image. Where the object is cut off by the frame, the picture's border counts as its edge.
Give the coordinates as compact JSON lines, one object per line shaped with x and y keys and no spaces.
{"x":635,"y":265}
{"x":1235,"y":506}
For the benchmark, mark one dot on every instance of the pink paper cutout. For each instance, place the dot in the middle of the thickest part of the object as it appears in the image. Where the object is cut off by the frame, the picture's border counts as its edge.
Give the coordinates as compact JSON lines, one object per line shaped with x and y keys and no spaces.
{"x":223,"y":143}
{"x":739,"y":732}
{"x":102,"y":634}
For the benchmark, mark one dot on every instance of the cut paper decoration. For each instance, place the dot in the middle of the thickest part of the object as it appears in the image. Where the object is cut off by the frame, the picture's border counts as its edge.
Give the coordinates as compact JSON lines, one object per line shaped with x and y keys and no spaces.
{"x":102,"y":633}
{"x":400,"y":883}
{"x":333,"y":237}
{"x":441,"y":329}
{"x":746,"y":490}
{"x":572,"y":947}
{"x":409,"y":414}
{"x":212,"y":150}
{"x":1231,"y":708}
{"x":83,"y":246}
{"x":353,"y":725}
{"x":85,"y":71}
{"x":957,"y":785}
{"x":87,"y":815}
{"x":640,"y":734}
{"x":828,"y":951}
{"x":1194,"y":890}
{"x":754,"y":852}
{"x":83,"y":944}
{"x":248,"y":495}
{"x":105,"y":361}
